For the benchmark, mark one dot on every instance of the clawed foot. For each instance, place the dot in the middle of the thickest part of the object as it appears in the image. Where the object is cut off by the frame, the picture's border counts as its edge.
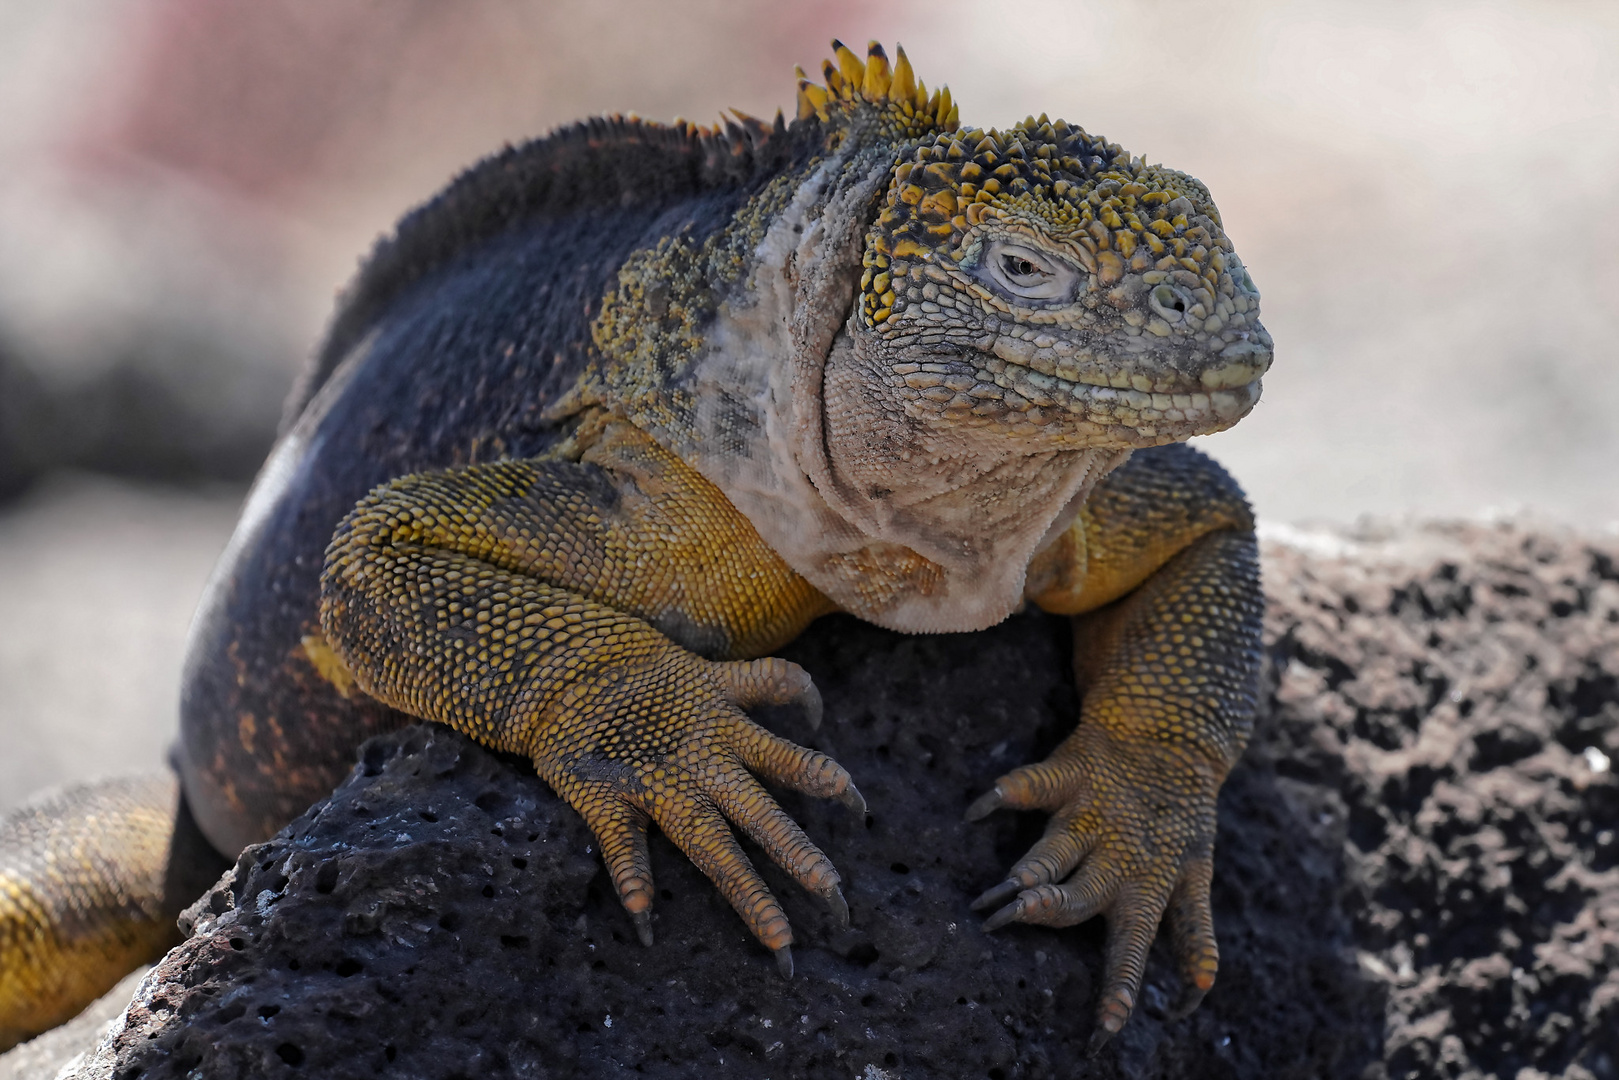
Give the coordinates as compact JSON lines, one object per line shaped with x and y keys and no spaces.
{"x":668,"y":743}
{"x":1131,"y":837}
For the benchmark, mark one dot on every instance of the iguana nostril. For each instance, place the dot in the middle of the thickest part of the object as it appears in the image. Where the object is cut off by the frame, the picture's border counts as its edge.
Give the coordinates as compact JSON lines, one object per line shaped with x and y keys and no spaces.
{"x":1169,"y":302}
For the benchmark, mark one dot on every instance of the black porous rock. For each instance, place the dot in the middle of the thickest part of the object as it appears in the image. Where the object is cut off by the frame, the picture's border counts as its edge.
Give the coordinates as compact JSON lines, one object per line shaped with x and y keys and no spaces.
{"x":1417,"y":872}
{"x":444,"y":915}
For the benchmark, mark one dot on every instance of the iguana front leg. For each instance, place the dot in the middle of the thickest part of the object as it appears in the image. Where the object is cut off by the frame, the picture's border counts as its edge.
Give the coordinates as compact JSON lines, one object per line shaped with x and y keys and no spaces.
{"x":1163,"y":558}
{"x":552,"y":608}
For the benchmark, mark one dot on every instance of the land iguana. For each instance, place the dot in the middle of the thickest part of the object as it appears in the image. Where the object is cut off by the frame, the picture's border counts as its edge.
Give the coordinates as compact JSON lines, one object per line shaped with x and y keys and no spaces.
{"x":622,"y":410}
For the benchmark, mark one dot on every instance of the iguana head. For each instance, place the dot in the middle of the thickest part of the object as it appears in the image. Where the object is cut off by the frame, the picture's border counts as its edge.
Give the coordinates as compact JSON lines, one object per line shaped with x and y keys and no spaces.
{"x":1031,"y":305}
{"x":1042,"y":281}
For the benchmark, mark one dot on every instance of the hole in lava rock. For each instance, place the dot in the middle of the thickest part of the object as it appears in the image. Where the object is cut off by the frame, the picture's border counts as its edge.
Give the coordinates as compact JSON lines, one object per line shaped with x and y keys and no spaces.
{"x":290,"y":1054}
{"x":899,"y":868}
{"x":348,"y":966}
{"x":865,"y":954}
{"x":374,"y":757}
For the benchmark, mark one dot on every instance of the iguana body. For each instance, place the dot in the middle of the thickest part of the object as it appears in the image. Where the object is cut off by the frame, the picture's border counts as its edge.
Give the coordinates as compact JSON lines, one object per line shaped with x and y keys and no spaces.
{"x":622,"y":411}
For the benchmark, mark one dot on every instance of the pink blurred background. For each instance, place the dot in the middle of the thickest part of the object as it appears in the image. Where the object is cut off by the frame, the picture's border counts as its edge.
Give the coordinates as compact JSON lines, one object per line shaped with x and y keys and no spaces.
{"x":1425,"y":192}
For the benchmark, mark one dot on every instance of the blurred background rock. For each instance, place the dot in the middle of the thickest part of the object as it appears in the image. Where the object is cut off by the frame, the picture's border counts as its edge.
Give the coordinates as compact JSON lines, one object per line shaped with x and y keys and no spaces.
{"x":1424,"y":191}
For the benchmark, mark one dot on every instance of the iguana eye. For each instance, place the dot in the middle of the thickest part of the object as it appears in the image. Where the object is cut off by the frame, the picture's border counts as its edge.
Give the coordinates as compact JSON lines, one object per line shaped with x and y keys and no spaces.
{"x":1017,"y":267}
{"x":1025,"y":274}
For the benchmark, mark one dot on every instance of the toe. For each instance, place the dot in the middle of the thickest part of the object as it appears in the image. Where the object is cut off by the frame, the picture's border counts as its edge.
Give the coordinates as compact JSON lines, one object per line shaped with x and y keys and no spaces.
{"x":1068,"y":839}
{"x":750,"y":807}
{"x":697,"y":828}
{"x":1132,"y":924}
{"x":1047,"y":785}
{"x":772,"y":681}
{"x":620,"y":829}
{"x":1065,"y":904}
{"x":1191,"y":927}
{"x":790,"y":765}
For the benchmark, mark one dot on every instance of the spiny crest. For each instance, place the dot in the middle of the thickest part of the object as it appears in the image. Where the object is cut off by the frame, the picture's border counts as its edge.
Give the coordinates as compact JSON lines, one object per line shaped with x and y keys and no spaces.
{"x":1112,"y":210}
{"x":901,"y":99}
{"x":609,"y":161}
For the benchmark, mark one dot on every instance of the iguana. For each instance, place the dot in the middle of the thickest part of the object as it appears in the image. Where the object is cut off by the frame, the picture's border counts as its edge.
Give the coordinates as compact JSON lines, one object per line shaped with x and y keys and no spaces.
{"x":624,"y":409}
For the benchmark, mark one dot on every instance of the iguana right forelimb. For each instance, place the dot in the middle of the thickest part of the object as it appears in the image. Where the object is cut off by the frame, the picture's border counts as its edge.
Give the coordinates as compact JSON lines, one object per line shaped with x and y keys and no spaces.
{"x":520,"y":603}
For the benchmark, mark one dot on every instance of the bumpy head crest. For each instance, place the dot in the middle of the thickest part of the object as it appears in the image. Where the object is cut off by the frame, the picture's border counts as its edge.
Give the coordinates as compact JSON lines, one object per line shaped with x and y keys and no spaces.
{"x":1113,"y":213}
{"x":902,"y":101}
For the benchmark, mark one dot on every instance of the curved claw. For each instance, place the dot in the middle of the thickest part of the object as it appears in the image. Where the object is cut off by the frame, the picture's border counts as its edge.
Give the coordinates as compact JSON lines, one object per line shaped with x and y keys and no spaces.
{"x":784,"y":961}
{"x":985,"y":805}
{"x":1191,"y":997}
{"x":852,"y":798}
{"x":839,"y":907}
{"x":999,"y":895}
{"x":643,"y":926}
{"x":1099,"y":1038}
{"x":1008,"y":914}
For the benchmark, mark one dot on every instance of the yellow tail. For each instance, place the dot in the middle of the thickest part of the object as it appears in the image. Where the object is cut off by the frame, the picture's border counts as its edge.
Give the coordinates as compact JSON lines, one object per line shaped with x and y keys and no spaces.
{"x":91,"y":879}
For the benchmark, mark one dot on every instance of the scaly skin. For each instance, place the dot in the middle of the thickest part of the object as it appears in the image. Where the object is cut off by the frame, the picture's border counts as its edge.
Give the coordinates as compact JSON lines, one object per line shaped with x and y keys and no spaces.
{"x":1168,"y":679}
{"x":91,"y":879}
{"x":635,"y":403}
{"x":518,"y":603}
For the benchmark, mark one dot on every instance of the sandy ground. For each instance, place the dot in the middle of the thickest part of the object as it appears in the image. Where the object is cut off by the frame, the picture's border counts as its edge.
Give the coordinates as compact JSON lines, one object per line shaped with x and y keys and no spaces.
{"x":98,"y":580}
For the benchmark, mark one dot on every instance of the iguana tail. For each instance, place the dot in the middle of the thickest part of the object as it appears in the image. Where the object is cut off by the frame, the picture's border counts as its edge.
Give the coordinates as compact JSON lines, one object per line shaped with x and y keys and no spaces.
{"x":91,"y":880}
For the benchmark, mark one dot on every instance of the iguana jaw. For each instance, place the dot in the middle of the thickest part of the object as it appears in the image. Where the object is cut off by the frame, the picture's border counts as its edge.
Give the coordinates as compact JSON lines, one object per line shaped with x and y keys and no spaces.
{"x":1051,"y":393}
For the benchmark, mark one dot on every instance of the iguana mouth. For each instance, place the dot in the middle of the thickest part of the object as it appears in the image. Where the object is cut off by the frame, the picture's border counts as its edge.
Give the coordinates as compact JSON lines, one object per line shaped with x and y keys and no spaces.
{"x":1050,"y":387}
{"x":1154,"y":415}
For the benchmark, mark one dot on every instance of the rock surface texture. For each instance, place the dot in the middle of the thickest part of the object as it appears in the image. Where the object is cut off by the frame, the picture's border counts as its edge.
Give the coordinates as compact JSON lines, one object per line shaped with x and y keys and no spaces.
{"x":1418,"y":871}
